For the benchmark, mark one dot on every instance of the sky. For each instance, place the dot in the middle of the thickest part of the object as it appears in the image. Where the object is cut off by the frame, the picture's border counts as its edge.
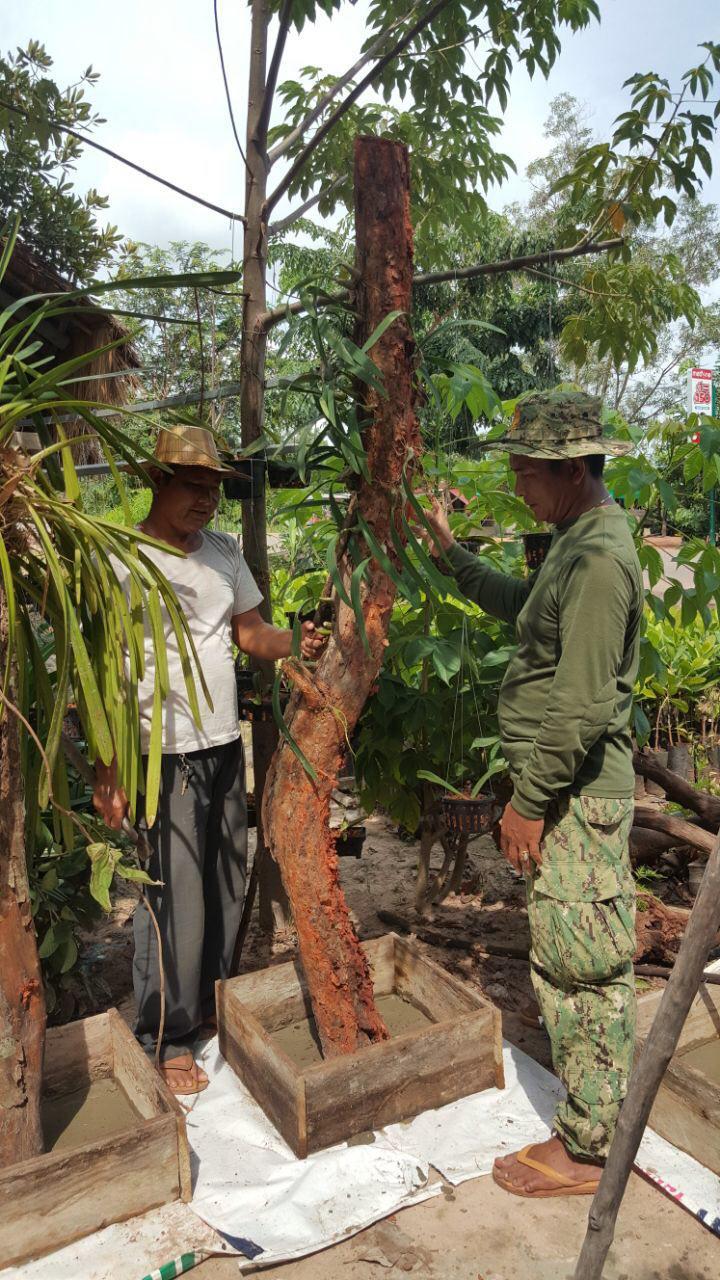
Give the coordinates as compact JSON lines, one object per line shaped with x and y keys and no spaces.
{"x":161,"y":91}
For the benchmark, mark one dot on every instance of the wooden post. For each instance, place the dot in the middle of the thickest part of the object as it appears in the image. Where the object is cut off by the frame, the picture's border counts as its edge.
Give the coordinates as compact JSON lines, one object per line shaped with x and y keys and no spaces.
{"x":273,"y":901}
{"x":22,"y":1002}
{"x":326,"y":704}
{"x":645,"y":1081}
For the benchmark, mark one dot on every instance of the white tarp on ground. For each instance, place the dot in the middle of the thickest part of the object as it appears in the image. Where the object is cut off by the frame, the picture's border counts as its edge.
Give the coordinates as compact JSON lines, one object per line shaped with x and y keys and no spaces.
{"x":274,"y":1207}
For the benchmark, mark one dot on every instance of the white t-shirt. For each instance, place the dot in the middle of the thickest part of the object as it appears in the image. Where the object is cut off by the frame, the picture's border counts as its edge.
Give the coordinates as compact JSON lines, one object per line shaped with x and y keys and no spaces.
{"x":212,"y":584}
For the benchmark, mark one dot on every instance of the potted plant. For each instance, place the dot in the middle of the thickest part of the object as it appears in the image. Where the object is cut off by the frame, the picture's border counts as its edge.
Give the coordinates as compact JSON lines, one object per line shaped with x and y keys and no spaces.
{"x":350,"y":842}
{"x":248,"y":481}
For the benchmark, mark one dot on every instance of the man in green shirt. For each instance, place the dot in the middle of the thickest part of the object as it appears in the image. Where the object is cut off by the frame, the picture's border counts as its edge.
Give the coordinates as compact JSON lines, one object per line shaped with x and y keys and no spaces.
{"x":564,"y":712}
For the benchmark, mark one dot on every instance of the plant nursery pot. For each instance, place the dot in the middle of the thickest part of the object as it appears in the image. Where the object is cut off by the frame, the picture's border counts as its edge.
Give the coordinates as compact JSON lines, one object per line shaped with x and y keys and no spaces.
{"x":259,"y":712}
{"x":445,"y":1043}
{"x":116,"y":1139}
{"x":680,"y":761}
{"x":349,"y":843}
{"x":536,"y":546}
{"x":467,"y":816}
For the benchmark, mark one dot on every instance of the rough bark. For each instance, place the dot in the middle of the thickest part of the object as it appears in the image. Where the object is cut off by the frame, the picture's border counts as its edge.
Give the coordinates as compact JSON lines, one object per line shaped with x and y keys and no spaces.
{"x":273,"y":907}
{"x":22,"y":1003}
{"x":677,"y":788}
{"x":325,"y":705}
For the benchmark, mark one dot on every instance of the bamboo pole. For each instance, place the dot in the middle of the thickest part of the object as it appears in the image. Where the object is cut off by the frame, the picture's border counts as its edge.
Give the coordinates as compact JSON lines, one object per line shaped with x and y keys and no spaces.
{"x":645,"y":1081}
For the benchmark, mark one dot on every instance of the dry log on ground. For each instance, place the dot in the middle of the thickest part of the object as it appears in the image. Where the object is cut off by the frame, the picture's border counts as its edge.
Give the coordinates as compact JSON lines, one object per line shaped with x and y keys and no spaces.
{"x":678,"y":789}
{"x":325,"y":706}
{"x":683,"y":832}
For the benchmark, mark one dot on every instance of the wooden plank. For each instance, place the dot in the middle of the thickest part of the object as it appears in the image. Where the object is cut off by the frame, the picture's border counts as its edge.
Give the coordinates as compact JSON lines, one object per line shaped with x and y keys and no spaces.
{"x":438,"y":994}
{"x":381,"y":958}
{"x":702,"y":1022}
{"x":279,"y":995}
{"x":136,"y":1074}
{"x":148,"y":1092}
{"x":399,"y":1078}
{"x":77,"y":1053}
{"x":50,"y":1201}
{"x":686,"y":1111}
{"x":267,"y":1073}
{"x":275,"y":996}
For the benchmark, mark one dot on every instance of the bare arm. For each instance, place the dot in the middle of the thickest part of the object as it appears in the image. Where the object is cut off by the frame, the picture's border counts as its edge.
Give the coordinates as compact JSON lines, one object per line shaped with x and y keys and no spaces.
{"x":260,"y":639}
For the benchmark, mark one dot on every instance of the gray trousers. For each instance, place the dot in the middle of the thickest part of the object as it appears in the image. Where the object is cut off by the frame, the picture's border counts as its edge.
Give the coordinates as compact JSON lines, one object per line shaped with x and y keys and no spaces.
{"x":199,"y":852}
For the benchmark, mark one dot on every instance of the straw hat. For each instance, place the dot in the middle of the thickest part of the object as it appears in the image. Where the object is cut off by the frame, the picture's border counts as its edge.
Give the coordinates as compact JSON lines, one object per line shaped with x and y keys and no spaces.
{"x":187,"y":446}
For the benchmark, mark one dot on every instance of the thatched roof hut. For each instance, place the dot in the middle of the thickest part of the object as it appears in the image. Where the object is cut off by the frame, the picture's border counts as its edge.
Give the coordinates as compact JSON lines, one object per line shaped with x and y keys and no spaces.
{"x":81,"y":330}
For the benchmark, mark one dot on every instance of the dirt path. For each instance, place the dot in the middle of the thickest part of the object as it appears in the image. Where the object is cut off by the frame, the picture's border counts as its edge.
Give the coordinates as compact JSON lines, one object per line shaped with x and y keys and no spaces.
{"x":478,"y":1232}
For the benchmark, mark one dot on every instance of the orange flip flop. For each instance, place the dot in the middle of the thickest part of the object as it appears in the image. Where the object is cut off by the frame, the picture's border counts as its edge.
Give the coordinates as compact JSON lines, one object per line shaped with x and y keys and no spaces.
{"x":563,"y":1187}
{"x":183,"y":1068}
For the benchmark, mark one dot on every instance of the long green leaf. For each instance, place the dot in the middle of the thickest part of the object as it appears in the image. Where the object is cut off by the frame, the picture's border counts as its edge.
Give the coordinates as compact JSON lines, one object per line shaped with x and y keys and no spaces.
{"x":355,"y":583}
{"x":284,"y":730}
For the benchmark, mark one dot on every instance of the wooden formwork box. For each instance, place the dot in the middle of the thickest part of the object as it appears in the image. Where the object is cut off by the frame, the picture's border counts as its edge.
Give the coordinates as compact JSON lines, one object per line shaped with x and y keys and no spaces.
{"x":687,"y":1109}
{"x":314,"y":1107}
{"x":50,"y":1200}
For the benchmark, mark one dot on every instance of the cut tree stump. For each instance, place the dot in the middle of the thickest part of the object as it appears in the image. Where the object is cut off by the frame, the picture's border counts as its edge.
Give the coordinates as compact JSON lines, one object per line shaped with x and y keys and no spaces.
{"x":457,"y":1052}
{"x":326,"y":704}
{"x":50,"y":1200}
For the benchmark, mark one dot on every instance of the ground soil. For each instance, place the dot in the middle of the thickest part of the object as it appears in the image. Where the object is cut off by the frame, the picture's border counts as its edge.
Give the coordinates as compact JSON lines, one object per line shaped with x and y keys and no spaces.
{"x":476,"y":1231}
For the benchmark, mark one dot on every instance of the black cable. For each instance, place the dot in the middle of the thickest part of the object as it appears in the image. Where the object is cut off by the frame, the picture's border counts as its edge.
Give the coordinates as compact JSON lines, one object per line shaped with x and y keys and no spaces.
{"x":225,"y":82}
{"x":98,"y":146}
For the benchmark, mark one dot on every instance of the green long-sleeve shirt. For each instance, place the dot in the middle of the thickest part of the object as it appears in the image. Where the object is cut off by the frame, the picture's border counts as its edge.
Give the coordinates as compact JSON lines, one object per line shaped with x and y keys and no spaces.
{"x":564,"y":706}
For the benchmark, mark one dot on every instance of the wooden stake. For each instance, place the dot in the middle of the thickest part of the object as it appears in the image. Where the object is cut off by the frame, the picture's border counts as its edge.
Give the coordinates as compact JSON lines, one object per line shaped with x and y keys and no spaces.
{"x":645,"y":1081}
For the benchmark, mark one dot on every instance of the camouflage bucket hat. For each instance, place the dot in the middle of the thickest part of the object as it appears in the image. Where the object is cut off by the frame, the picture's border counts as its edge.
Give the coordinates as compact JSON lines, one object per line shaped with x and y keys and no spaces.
{"x":558,"y":424}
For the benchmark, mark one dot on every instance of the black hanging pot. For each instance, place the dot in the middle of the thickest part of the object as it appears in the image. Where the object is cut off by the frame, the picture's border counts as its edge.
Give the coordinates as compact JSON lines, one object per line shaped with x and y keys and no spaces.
{"x":469,"y":815}
{"x":260,"y":711}
{"x":537,"y":546}
{"x":248,"y":480}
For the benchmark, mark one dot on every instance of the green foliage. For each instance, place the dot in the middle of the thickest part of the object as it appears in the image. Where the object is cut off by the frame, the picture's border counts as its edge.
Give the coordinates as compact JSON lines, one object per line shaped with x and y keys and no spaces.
{"x":58,"y":562}
{"x":429,"y":97}
{"x":37,"y":160}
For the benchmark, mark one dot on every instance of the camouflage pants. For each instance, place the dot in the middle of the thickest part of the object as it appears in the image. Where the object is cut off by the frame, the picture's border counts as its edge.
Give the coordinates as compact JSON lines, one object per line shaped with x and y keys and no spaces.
{"x":581,"y":909}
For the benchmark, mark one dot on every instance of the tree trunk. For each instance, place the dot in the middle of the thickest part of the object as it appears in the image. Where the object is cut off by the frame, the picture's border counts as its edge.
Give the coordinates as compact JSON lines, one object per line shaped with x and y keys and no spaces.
{"x":273,"y":905}
{"x":22,"y":1002}
{"x":325,"y":705}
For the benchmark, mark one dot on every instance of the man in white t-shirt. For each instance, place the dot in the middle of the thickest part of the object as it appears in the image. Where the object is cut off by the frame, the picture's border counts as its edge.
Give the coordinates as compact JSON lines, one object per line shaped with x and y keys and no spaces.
{"x":199,"y":839}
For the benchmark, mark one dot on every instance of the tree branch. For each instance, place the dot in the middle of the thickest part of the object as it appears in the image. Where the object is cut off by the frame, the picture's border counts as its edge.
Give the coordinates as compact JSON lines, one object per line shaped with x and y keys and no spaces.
{"x":269,"y":319}
{"x":263,"y":120}
{"x":352,"y":97}
{"x":277,"y":228}
{"x":517,"y":264}
{"x":312,"y":116}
